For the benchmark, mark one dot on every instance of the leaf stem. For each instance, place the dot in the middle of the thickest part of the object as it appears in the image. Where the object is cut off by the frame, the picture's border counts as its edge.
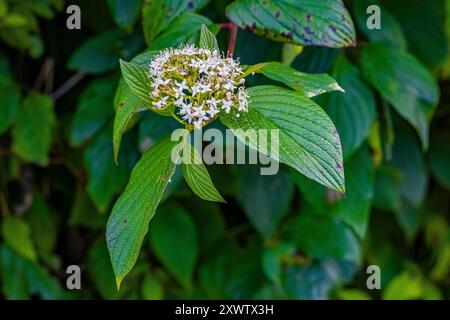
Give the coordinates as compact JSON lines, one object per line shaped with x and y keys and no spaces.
{"x":69,"y":84}
{"x":232,"y":40}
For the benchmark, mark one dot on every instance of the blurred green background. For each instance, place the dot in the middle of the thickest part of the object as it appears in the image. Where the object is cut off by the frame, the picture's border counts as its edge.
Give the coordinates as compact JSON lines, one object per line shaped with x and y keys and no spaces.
{"x":278,"y":237}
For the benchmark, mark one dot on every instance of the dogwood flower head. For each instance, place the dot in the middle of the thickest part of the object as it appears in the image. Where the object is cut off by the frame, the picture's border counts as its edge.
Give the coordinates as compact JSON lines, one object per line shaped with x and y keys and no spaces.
{"x":197,"y":84}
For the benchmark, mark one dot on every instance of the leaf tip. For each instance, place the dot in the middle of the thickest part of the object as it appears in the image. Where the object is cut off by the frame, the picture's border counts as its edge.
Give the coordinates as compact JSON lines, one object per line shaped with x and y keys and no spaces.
{"x":118,"y":282}
{"x":337,"y":87}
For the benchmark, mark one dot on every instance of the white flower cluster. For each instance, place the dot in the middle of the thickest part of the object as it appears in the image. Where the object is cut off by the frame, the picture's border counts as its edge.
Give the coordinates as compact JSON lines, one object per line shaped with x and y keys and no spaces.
{"x":197,"y":84}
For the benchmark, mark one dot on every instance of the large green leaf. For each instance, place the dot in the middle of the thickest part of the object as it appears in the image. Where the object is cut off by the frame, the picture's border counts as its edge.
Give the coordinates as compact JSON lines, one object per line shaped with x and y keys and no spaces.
{"x":310,"y":85}
{"x":125,"y":12}
{"x":308,"y":140}
{"x":102,"y":52}
{"x":308,"y":22}
{"x":265,"y":199}
{"x":132,"y":212}
{"x":174,"y":239}
{"x":323,"y":236}
{"x":352,"y":112}
{"x":32,"y":133}
{"x":94,"y":110}
{"x":197,"y":176}
{"x":183,"y":30}
{"x":404,"y":83}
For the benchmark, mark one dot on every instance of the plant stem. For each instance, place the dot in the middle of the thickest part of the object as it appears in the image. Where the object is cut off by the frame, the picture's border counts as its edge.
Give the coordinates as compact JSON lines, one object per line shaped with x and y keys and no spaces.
{"x":69,"y":84}
{"x":232,"y":40}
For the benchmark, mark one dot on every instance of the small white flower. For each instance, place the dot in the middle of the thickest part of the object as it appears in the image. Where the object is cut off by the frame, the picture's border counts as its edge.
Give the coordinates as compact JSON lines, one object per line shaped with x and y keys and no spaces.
{"x":212,"y":102}
{"x":196,"y":89}
{"x":205,"y":87}
{"x":227,"y":104}
{"x":161,"y":102}
{"x":186,"y":108}
{"x":213,"y":112}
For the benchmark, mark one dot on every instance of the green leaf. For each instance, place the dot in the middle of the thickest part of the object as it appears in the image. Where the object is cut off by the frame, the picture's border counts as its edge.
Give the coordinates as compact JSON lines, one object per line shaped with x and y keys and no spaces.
{"x":352,"y":294}
{"x":44,"y":230}
{"x":99,"y":269}
{"x":132,"y":212}
{"x":183,"y":30}
{"x":272,"y":260}
{"x":136,"y":78}
{"x":144,"y":58}
{"x":352,"y":112}
{"x":173,"y":237}
{"x":125,"y":12}
{"x":323,"y":237}
{"x":94,"y":110}
{"x":408,"y":157}
{"x":127,"y":106}
{"x":10,"y":99}
{"x":388,"y":184}
{"x":209,"y":221}
{"x":423,"y":28}
{"x":316,"y":281}
{"x":11,"y":264}
{"x":102,"y":52}
{"x":308,"y":22}
{"x":17,"y":235}
{"x":264,"y":198}
{"x":105,"y":178}
{"x":316,"y":59}
{"x":391,"y":32}
{"x":308,"y":140}
{"x":153,"y":127}
{"x":83,"y":212}
{"x":354,"y":209}
{"x":208,"y":39}
{"x":405,"y":286}
{"x":404,"y":83}
{"x":32,"y":132}
{"x":152,"y":289}
{"x":309,"y":85}
{"x":197,"y":176}
{"x":157,"y":15}
{"x":440,"y":158}
{"x":23,"y":278}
